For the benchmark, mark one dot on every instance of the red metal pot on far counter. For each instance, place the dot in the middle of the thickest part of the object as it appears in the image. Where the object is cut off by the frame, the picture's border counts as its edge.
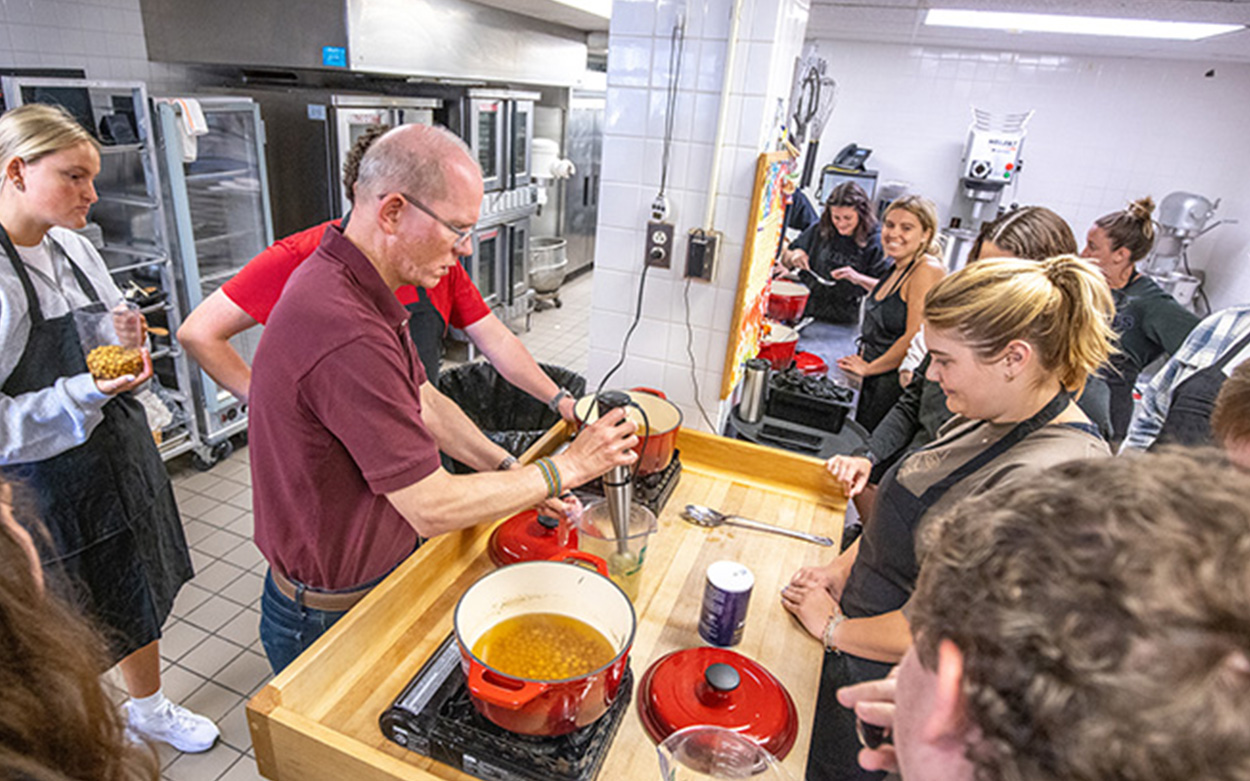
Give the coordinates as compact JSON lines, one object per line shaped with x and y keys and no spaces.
{"x":663,"y":416}
{"x":534,"y":707}
{"x":786,"y":301}
{"x":778,"y":344}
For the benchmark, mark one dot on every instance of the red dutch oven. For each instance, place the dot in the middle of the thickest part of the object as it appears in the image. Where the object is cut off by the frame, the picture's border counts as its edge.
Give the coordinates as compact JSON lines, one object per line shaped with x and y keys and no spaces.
{"x":722,"y":688}
{"x":534,"y":707}
{"x":530,"y":536}
{"x":787,"y":300}
{"x":663,"y":416}
{"x":778,"y":344}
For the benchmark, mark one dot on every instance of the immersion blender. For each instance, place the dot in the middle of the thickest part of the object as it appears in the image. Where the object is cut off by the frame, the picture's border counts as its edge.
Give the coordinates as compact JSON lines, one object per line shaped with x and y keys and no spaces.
{"x":618,"y":483}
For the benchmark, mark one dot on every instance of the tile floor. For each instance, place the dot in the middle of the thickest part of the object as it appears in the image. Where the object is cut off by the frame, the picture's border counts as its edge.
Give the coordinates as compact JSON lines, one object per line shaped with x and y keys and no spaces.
{"x":212,"y":657}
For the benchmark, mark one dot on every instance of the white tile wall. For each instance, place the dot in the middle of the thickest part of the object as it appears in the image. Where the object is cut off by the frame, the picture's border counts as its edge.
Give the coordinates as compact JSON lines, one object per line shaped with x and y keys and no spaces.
{"x":770,"y":35}
{"x":1106,"y":131}
{"x":103,"y":37}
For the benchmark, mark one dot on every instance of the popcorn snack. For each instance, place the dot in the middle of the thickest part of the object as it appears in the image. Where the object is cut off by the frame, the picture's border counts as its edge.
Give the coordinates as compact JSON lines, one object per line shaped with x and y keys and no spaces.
{"x":111,"y":361}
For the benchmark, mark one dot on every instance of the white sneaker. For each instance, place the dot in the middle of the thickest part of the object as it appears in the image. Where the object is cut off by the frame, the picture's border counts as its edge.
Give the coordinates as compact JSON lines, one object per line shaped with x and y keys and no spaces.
{"x":173,"y":724}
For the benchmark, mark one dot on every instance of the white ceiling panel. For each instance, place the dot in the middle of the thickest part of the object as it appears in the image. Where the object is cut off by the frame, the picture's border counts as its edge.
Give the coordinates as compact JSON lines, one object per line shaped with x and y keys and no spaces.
{"x":902,"y":21}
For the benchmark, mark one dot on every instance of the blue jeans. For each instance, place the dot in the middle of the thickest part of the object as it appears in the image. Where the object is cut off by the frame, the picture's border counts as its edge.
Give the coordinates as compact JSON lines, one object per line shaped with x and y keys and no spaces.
{"x":288,"y":627}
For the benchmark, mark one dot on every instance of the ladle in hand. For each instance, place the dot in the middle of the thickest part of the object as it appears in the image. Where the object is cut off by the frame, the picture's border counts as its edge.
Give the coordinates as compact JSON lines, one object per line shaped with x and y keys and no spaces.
{"x":706,"y":516}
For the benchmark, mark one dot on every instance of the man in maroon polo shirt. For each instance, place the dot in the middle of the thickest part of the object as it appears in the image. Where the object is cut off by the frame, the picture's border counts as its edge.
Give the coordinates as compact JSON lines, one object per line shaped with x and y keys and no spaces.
{"x":345,"y":431}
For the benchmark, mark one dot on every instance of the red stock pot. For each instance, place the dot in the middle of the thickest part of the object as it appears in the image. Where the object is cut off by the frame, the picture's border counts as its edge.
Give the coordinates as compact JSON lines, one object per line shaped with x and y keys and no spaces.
{"x":655,"y":444}
{"x":778,"y":344}
{"x":535,"y":707}
{"x":787,"y":300}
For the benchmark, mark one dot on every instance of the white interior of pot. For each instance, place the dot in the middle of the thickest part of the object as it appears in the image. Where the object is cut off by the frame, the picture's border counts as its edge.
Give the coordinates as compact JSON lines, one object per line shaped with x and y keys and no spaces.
{"x":779,"y":334}
{"x":782,"y":287}
{"x":662,"y":415}
{"x":546,"y":587}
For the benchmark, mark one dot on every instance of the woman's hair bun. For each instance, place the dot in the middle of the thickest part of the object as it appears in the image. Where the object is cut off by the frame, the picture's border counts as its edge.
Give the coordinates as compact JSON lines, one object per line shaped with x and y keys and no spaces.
{"x":1142,"y":208}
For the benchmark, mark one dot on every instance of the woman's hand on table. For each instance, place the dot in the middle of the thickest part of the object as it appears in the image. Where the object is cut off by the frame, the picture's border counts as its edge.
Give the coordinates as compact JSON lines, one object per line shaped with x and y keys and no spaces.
{"x":851,"y":471}
{"x":873,"y":703}
{"x":811,"y":605}
{"x":854,"y":364}
{"x":127,"y":382}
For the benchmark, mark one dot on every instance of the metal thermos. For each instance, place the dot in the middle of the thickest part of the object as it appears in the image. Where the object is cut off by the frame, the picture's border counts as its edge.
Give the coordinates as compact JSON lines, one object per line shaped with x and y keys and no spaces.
{"x":618,"y":483}
{"x":755,"y":381}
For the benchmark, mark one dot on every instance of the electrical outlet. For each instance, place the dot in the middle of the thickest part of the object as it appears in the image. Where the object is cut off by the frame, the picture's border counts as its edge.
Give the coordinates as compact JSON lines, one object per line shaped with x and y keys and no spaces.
{"x":701,"y":251}
{"x":659,"y":244}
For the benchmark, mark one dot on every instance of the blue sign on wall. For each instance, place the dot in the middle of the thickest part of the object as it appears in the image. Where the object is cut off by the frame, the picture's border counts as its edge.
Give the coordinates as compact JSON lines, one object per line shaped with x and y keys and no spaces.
{"x":334,"y":56}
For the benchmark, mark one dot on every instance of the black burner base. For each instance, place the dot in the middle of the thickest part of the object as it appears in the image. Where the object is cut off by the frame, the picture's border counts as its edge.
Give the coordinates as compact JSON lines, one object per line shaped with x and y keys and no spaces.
{"x":434,"y":716}
{"x":651,"y":491}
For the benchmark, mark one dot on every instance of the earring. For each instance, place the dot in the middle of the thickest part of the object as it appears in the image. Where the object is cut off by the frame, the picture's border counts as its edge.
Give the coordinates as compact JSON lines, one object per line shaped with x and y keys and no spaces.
{"x":21,"y":187}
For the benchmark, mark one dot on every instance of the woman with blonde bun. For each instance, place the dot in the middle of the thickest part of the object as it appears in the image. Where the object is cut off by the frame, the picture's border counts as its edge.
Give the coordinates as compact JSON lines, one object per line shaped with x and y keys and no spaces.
{"x":892,"y":311}
{"x":1149,"y":322}
{"x":1011,"y":341}
{"x":82,"y":445}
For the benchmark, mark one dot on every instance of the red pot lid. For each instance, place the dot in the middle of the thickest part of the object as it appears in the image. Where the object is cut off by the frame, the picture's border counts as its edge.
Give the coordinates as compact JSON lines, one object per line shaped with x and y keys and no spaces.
{"x":528,"y":536}
{"x":720,"y":687}
{"x":810,"y":363}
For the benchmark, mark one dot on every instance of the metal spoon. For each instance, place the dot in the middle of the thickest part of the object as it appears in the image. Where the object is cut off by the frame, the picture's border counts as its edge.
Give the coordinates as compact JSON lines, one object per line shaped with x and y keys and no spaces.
{"x":805,"y":273}
{"x":706,"y":516}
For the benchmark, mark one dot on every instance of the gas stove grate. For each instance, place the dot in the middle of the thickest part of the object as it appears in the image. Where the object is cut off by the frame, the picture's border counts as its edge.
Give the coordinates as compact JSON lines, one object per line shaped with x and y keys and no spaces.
{"x":650,"y":491}
{"x":434,"y":716}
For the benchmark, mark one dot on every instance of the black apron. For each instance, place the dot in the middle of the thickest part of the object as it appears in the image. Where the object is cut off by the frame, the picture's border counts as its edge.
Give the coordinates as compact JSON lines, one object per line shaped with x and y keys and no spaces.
{"x":885,"y":322}
{"x":1189,"y":413}
{"x":117,"y":542}
{"x":426,"y":326}
{"x":834,"y":748}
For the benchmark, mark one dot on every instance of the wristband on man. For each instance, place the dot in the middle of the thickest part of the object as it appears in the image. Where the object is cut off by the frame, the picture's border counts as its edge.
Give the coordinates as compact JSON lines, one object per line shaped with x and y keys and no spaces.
{"x":507,"y":463}
{"x":554,"y":403}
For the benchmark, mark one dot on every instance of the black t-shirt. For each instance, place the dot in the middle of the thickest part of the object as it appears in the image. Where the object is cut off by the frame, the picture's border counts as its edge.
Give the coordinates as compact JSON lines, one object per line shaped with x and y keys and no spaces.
{"x":839,"y":303}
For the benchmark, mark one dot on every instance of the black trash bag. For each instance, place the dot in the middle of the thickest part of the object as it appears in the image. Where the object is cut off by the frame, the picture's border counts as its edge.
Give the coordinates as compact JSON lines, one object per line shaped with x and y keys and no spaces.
{"x":507,"y":415}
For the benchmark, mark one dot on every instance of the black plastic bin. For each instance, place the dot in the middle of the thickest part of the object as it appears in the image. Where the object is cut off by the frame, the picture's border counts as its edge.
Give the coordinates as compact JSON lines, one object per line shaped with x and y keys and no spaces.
{"x":507,"y":415}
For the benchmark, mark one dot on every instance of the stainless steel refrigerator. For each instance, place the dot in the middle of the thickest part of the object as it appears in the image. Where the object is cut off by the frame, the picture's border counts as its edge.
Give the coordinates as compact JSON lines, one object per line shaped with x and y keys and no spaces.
{"x":581,"y":191}
{"x":218,"y":206}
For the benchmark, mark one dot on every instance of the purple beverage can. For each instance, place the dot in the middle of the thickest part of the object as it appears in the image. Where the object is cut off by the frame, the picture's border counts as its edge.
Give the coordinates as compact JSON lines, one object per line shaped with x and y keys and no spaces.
{"x":726,"y":594}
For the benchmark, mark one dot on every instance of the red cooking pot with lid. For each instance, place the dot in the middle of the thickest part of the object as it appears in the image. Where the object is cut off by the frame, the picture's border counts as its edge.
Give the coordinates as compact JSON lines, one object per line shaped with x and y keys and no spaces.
{"x":722,"y":688}
{"x":530,"y":536}
{"x":787,"y":300}
{"x":778,"y":344}
{"x":545,"y":707}
{"x":658,"y":423}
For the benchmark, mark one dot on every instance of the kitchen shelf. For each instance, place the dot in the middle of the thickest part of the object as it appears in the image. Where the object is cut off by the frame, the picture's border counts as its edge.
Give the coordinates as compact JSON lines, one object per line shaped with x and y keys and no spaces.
{"x":139,"y":265}
{"x":219,"y":275}
{"x":153,"y":254}
{"x":207,"y":240}
{"x":211,"y":175}
{"x":117,"y":149}
{"x":127,"y":199}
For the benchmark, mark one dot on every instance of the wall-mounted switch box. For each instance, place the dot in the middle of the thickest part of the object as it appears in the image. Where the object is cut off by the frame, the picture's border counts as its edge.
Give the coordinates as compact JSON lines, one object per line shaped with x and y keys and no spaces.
{"x":659,"y":244}
{"x":701,"y":251}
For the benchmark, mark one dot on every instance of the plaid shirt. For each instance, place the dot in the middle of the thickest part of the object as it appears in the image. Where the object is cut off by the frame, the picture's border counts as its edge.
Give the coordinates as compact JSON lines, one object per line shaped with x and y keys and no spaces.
{"x":1203,"y":347}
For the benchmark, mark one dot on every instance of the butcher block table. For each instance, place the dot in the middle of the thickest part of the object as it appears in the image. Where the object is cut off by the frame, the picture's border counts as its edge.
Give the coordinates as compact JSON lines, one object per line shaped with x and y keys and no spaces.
{"x":319,"y":718}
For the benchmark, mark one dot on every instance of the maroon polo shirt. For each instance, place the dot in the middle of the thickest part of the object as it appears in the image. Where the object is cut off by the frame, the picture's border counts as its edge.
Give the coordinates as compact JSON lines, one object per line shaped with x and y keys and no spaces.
{"x":336,"y":423}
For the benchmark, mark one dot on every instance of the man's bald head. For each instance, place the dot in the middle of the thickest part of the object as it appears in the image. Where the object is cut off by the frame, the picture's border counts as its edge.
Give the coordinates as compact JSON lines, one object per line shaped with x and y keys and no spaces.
{"x":414,"y":159}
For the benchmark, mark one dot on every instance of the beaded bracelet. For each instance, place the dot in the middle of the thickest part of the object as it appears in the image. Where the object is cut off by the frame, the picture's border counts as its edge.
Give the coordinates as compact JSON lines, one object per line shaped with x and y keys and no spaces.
{"x":827,"y":638}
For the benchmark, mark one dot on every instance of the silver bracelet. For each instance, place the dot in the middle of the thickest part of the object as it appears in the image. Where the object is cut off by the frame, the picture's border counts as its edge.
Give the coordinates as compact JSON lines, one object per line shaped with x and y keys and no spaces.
{"x":507,"y":463}
{"x":561,"y":395}
{"x":827,"y":637}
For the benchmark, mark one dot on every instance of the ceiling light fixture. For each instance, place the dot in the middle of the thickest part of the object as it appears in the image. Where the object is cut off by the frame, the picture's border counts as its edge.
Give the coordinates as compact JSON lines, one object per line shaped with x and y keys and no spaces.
{"x":1076,"y":25}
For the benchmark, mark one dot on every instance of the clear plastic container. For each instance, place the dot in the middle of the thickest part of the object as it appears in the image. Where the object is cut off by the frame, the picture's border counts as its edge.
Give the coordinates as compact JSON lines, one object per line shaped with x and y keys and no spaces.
{"x":597,"y":536}
{"x":704,"y":752}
